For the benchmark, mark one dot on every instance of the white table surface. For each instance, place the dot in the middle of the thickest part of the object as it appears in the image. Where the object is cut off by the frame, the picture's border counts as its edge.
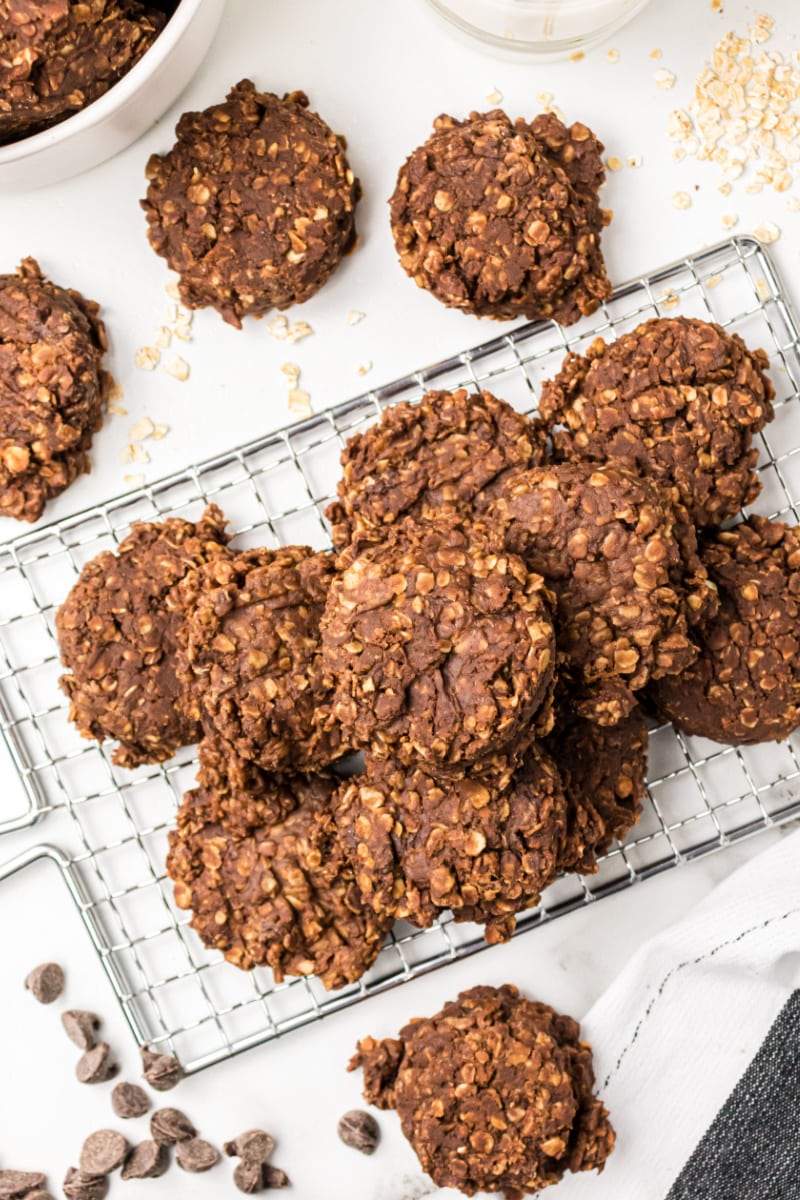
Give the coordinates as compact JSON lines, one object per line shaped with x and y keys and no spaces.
{"x":378,"y":72}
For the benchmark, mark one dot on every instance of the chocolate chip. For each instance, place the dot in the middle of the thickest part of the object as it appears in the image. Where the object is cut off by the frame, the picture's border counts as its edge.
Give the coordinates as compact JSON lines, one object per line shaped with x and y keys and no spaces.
{"x":274,"y":1177}
{"x":80,"y":1027}
{"x":196,"y":1155}
{"x":360,"y":1130}
{"x":146,"y":1161}
{"x":79,"y":1186}
{"x":254,"y":1146}
{"x":170,"y":1125}
{"x":38,"y":1195}
{"x":129,"y":1100}
{"x":46,"y":982}
{"x":103,"y":1152}
{"x":18,"y":1183}
{"x":96,"y":1065}
{"x":161,"y":1071}
{"x":249,"y":1177}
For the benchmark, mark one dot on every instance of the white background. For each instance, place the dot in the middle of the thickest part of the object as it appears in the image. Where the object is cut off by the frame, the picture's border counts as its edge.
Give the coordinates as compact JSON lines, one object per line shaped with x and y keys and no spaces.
{"x":379,"y":71}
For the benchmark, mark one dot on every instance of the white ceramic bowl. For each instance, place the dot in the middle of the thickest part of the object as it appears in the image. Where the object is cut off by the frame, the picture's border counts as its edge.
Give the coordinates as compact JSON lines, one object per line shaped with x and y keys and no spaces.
{"x":124,"y":112}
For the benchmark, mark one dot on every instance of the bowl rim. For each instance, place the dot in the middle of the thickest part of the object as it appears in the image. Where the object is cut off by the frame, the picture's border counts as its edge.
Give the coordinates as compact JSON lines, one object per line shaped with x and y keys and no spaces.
{"x":95,"y":113}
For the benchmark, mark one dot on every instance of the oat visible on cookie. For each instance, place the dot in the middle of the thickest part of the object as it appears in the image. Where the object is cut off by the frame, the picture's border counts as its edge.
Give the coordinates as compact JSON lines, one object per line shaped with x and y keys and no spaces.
{"x":502,"y":219}
{"x":254,"y":205}
{"x":439,"y":643}
{"x":677,"y":399}
{"x":118,"y":630}
{"x":52,"y":388}
{"x":284,"y":897}
{"x":605,"y":542}
{"x":484,"y":846}
{"x":494,"y":1093}
{"x":744,"y":686}
{"x":421,"y":458}
{"x":251,"y":657}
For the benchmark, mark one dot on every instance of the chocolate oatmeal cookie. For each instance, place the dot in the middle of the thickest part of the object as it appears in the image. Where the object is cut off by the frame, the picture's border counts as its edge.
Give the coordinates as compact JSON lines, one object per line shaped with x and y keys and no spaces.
{"x":58,"y":56}
{"x":502,"y":219}
{"x":52,"y":388}
{"x":254,"y":205}
{"x":251,"y":659}
{"x":118,"y":631}
{"x":744,"y":686}
{"x":484,"y":847}
{"x":422,"y":458}
{"x":605,"y":542}
{"x":440,"y":644}
{"x":678,"y":400}
{"x":283,"y":897}
{"x":241,"y":795}
{"x":494,"y":1093}
{"x":603,"y":770}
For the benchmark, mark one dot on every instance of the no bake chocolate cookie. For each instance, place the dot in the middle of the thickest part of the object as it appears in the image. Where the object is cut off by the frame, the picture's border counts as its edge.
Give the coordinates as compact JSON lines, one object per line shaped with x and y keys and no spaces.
{"x":494,"y":1093}
{"x":422,"y":458}
{"x":484,"y":847}
{"x":52,"y":388}
{"x":118,"y":631}
{"x":677,"y":399}
{"x":57,"y":56}
{"x":744,"y":686}
{"x":439,"y":643}
{"x":251,"y":658}
{"x":254,"y":205}
{"x":502,"y":219}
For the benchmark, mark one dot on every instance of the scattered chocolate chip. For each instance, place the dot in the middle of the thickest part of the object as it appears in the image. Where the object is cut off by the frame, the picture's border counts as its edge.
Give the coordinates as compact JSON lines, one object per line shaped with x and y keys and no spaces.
{"x":254,"y":1146}
{"x":274,"y":1177}
{"x":18,"y":1183}
{"x":146,"y":1161}
{"x":103,"y":1152}
{"x":196,"y":1155}
{"x":96,"y":1065}
{"x":161,"y":1071}
{"x":80,"y":1027}
{"x":360,"y":1130}
{"x":79,"y":1186}
{"x":249,"y":1176}
{"x":129,"y":1100}
{"x":38,"y":1195}
{"x":170,"y":1125}
{"x":46,"y":982}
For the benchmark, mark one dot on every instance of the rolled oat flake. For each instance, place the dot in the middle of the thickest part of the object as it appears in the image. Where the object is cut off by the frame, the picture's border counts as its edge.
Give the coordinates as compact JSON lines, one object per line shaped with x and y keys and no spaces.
{"x":79,"y":1186}
{"x":148,"y":1160}
{"x":169,"y":1126}
{"x":196,"y":1155}
{"x":46,"y":982}
{"x":103,"y":1152}
{"x":19,"y":1183}
{"x":129,"y":1100}
{"x":80,"y":1027}
{"x":96,"y":1065}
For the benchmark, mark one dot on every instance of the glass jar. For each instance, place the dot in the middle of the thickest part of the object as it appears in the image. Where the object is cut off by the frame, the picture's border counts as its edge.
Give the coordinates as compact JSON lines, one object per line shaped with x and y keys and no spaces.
{"x":547,"y":28}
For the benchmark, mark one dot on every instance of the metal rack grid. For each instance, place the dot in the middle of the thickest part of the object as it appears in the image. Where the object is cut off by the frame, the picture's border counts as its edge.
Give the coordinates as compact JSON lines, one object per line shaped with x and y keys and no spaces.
{"x":110,"y":825}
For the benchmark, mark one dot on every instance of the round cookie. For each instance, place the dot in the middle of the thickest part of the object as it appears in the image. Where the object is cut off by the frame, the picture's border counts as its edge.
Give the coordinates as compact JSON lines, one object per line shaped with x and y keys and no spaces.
{"x":421,"y":458}
{"x":494,"y":1093}
{"x":283,"y":897}
{"x":603,"y":770}
{"x":254,"y":205}
{"x":484,"y":847}
{"x":677,"y":399}
{"x":118,"y":632}
{"x":251,"y":659}
{"x":502,"y":219}
{"x":606,"y":544}
{"x":52,"y":388}
{"x":440,"y":645}
{"x":58,"y":56}
{"x":744,"y":686}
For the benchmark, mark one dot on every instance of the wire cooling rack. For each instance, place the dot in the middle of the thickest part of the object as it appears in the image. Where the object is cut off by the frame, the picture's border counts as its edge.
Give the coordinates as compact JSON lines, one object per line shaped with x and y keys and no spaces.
{"x":109,"y":826}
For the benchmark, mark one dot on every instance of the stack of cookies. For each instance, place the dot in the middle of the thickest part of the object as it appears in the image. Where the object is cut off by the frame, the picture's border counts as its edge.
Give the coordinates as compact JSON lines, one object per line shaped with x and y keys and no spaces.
{"x":504,"y":596}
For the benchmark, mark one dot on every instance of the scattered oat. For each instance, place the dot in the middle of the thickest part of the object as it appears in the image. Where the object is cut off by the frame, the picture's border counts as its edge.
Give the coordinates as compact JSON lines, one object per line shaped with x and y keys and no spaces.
{"x":664,"y":79}
{"x":278,"y":328}
{"x":298,"y":330}
{"x":669,"y":299}
{"x":753,"y":189}
{"x":172,"y":290}
{"x":364,"y":368}
{"x":713,"y":281}
{"x":141,"y":430}
{"x":762,"y":287}
{"x":291,"y":370}
{"x":134,"y":453}
{"x":163,"y":337}
{"x":612,"y":56}
{"x":725,"y":189}
{"x":681,"y":200}
{"x":159,"y":431}
{"x":761,"y":30}
{"x":546,"y":101}
{"x":299,"y":402}
{"x":184,"y":313}
{"x":767,"y":232}
{"x":577,"y":56}
{"x":716,"y":6}
{"x":793,"y":204}
{"x":729,"y":220}
{"x":613,"y":163}
{"x":133,"y":481}
{"x":354,"y":316}
{"x":634,"y":160}
{"x":148,"y":358}
{"x":655,"y":53}
{"x":182,"y":331}
{"x":116,"y":410}
{"x":178,"y":369}
{"x":494,"y":96}
{"x":172,"y":313}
